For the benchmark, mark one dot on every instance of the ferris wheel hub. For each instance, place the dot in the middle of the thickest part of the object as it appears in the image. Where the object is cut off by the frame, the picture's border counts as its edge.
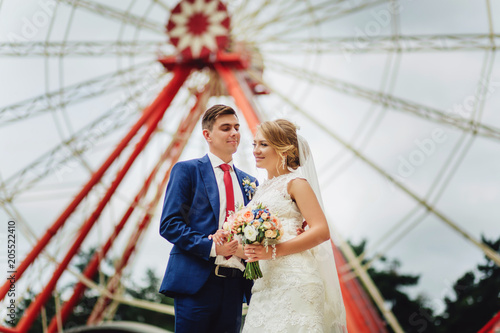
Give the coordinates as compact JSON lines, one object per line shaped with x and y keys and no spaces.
{"x":199,"y":28}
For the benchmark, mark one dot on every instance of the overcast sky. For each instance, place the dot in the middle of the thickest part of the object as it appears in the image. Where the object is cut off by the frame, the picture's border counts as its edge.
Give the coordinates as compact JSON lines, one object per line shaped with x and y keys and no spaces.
{"x":456,"y":173}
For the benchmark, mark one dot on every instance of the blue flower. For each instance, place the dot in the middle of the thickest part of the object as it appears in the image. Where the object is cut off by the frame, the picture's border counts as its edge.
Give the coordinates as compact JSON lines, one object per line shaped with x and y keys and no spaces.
{"x":249,"y":187}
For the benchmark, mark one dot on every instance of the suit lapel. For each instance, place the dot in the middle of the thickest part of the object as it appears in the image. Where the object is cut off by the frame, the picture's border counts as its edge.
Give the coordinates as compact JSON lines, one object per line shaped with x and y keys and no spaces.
{"x":208,"y":176}
{"x":240,"y":175}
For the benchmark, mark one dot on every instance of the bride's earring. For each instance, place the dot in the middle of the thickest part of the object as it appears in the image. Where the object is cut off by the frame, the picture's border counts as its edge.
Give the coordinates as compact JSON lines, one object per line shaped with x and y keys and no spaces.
{"x":283,"y":161}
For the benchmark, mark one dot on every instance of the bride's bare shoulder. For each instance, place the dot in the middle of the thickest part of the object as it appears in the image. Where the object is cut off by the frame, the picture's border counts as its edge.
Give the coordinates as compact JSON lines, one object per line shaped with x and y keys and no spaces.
{"x":296,"y":185}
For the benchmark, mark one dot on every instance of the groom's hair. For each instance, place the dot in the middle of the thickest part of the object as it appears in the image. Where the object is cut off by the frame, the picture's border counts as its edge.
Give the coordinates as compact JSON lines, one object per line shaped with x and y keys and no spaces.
{"x":213,"y":113}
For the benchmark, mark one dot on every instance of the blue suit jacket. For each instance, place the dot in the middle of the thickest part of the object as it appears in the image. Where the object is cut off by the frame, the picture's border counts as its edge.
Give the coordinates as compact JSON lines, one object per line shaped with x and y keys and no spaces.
{"x":190,"y":213}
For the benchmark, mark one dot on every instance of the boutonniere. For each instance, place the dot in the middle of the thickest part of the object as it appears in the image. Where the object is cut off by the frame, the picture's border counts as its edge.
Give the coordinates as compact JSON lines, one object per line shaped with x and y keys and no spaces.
{"x":249,"y":187}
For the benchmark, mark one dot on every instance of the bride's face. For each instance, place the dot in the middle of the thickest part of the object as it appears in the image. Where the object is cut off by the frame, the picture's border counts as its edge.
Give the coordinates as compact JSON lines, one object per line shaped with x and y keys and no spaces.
{"x":265,"y":155}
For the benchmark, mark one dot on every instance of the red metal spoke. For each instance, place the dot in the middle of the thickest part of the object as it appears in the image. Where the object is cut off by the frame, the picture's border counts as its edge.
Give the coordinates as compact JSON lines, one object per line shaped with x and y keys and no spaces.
{"x":154,"y":114}
{"x":361,"y":314}
{"x":492,"y":326}
{"x":93,"y":265}
{"x":173,"y":154}
{"x":240,"y":97}
{"x":86,"y":189}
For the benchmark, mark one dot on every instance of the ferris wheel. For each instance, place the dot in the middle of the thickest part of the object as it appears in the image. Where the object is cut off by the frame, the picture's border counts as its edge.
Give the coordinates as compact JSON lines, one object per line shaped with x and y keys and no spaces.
{"x":101,"y":98}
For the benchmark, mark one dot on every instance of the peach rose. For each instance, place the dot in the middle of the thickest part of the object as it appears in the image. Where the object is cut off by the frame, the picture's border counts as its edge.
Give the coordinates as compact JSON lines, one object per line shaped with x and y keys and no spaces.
{"x":264,"y":216}
{"x":248,"y":216}
{"x":267,"y":225}
{"x":270,"y":233}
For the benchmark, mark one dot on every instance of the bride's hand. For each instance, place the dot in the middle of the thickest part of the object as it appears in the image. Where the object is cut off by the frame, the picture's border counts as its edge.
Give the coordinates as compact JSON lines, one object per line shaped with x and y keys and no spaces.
{"x":301,"y":230}
{"x":256,"y":252}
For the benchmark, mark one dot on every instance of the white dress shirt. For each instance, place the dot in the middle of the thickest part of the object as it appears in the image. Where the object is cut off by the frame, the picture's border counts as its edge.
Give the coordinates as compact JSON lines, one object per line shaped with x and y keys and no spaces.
{"x":234,"y":261}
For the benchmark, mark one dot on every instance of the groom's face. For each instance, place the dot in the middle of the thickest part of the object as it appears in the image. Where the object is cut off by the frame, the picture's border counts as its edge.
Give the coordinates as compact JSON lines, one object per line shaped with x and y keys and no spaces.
{"x":224,"y":137}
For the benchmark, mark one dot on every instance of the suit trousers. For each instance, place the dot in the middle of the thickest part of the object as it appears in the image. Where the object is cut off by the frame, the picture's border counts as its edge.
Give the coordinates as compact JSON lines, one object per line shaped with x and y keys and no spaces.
{"x":216,"y":307}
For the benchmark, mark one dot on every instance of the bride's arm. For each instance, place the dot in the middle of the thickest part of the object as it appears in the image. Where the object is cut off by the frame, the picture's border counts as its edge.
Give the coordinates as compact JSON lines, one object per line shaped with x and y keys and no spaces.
{"x":318,"y":232}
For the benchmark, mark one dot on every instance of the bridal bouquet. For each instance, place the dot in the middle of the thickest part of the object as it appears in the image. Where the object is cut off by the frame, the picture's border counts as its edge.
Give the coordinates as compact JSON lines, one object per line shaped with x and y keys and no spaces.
{"x":255,"y":225}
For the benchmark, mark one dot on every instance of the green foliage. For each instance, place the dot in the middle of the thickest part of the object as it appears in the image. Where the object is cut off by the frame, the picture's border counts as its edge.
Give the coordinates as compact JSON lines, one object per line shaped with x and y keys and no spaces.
{"x":148,"y":292}
{"x":475,"y":301}
{"x":392,"y":284}
{"x":476,"y":297}
{"x":24,"y":303}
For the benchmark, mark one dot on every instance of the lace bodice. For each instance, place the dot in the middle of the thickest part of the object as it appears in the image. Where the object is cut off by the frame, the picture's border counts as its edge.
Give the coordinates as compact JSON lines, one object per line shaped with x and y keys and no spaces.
{"x":290,"y":297}
{"x":274,"y":194}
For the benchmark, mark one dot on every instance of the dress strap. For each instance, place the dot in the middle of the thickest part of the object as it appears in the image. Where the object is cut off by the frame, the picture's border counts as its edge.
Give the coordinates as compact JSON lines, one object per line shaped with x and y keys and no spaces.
{"x":287,"y":179}
{"x":293,"y":175}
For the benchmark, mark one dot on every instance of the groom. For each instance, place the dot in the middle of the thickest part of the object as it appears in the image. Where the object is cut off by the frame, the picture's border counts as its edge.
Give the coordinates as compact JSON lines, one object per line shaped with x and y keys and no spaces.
{"x":204,"y":278}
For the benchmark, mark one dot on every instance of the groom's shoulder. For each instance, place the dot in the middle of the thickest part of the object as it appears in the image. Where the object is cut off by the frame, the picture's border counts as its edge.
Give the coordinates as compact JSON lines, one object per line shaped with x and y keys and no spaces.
{"x":188,"y":166}
{"x":186,"y":163}
{"x":192,"y":162}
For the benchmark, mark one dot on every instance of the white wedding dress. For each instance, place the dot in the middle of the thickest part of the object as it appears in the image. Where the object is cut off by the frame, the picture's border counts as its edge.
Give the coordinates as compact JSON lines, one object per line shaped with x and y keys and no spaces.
{"x":291,"y":297}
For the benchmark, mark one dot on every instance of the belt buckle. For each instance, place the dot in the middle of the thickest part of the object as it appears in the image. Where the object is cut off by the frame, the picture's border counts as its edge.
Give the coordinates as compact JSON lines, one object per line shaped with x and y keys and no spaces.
{"x":217,"y":272}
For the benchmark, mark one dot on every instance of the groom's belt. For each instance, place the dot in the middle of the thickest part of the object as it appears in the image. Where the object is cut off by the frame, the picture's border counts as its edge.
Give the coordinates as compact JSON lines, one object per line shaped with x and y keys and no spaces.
{"x":227,"y":272}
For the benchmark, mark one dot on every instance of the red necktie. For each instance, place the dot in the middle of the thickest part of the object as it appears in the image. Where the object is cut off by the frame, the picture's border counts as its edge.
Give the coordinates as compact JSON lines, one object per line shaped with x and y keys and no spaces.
{"x":228,"y":182}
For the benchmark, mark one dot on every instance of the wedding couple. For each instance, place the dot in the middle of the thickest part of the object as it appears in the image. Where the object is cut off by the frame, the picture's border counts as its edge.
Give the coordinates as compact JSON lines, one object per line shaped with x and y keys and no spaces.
{"x":299,"y":290}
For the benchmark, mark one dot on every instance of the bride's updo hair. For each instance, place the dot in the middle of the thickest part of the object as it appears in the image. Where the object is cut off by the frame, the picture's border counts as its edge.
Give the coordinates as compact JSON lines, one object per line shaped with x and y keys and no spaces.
{"x":281,"y":134}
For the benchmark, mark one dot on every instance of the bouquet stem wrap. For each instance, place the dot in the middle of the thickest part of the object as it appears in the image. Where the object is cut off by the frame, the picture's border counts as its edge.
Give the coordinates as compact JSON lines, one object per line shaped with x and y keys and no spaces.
{"x":252,"y":271}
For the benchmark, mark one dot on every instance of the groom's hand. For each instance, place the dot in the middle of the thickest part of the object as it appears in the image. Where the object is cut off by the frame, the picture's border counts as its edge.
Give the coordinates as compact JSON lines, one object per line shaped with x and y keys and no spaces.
{"x":221,"y":236}
{"x":227,"y":248}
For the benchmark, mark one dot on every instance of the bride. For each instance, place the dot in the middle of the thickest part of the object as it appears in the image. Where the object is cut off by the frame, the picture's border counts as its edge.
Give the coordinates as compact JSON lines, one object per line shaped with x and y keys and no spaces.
{"x":299,"y":290}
